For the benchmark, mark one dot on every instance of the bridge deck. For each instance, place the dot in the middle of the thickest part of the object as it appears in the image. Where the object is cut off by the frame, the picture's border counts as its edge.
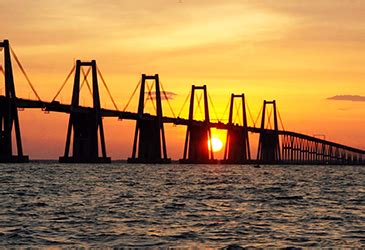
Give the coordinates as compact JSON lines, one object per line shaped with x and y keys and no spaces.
{"x":66,"y":108}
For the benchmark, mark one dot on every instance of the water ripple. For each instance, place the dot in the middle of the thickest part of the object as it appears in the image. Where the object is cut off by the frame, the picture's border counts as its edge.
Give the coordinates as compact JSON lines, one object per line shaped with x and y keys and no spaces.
{"x":230,"y":207}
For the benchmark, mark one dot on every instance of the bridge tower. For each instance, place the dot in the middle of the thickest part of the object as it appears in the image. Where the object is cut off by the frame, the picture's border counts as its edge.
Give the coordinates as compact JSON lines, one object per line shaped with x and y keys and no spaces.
{"x":237,"y":150}
{"x":269,"y":148}
{"x":9,"y":114}
{"x":149,"y":133}
{"x":198,"y":134}
{"x":84,"y":125}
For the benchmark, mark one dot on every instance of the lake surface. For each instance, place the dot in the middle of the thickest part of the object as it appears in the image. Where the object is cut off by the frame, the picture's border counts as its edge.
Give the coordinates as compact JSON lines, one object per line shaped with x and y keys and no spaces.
{"x":181,"y":205}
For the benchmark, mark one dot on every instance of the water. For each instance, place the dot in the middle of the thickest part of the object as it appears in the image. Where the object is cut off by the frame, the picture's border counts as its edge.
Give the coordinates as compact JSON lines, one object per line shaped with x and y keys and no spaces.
{"x":181,"y":205}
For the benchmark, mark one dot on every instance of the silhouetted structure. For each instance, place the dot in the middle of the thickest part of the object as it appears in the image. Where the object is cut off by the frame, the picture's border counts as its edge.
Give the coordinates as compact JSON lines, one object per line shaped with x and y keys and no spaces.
{"x":299,"y":150}
{"x":269,"y":147}
{"x":9,"y":114}
{"x":84,"y":124}
{"x":198,"y":135}
{"x":237,"y":149}
{"x":275,"y":146}
{"x":149,"y":133}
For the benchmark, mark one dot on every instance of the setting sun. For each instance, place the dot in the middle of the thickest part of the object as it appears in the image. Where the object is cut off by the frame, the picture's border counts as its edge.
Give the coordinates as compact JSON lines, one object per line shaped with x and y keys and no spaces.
{"x":217,"y":144}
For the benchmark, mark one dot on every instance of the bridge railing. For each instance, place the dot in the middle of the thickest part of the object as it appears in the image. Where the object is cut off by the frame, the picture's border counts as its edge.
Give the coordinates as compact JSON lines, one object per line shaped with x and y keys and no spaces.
{"x":303,"y":149}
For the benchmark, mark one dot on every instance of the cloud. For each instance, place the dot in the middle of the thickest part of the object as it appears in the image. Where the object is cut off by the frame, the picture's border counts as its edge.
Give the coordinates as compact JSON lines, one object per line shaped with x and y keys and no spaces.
{"x":167,"y":96}
{"x":353,"y":98}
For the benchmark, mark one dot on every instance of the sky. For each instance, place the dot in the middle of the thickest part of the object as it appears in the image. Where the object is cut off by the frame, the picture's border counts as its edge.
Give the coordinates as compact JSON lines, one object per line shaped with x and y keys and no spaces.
{"x":307,"y":55}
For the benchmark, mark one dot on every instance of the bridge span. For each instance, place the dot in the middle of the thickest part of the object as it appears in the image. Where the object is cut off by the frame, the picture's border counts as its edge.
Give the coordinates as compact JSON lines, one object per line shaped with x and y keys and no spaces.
{"x":85,"y":134}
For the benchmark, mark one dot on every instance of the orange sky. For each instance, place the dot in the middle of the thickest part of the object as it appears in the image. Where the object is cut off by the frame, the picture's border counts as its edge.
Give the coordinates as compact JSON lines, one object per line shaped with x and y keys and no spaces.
{"x":297,"y":52}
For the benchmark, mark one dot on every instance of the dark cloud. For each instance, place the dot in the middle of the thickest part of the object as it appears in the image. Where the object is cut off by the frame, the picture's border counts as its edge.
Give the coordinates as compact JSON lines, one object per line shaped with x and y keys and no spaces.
{"x":353,"y":98}
{"x":167,"y":96}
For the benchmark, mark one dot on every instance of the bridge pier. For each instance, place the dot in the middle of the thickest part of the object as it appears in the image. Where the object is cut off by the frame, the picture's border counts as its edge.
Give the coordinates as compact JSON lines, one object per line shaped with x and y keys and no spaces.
{"x":198,"y":134}
{"x":149,"y":133}
{"x":237,"y":149}
{"x":84,"y":125}
{"x":269,"y":148}
{"x":9,"y":114}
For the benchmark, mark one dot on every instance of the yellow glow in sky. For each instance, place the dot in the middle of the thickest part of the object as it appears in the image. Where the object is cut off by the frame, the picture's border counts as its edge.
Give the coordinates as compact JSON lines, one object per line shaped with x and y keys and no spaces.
{"x":296,"y":52}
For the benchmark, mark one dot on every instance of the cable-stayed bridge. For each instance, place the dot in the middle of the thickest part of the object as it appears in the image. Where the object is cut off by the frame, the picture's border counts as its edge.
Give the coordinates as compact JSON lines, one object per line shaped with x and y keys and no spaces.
{"x":85,"y":134}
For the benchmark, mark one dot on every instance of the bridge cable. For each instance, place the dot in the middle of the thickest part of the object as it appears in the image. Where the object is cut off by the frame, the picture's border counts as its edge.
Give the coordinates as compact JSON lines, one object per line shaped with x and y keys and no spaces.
{"x":86,"y":81}
{"x":214,"y":110}
{"x":234,"y":113}
{"x":185,"y":101}
{"x":131,"y":97}
{"x":167,"y":99}
{"x":64,"y":83}
{"x":281,"y":121}
{"x":225,"y":110}
{"x":269,"y":119}
{"x":147,"y":91}
{"x":150,"y":97}
{"x":258,"y":117}
{"x":201,"y":108}
{"x":238,"y":109}
{"x":237,"y":117}
{"x":198,"y":107}
{"x":107,"y":89}
{"x":25,"y":74}
{"x":250,"y":113}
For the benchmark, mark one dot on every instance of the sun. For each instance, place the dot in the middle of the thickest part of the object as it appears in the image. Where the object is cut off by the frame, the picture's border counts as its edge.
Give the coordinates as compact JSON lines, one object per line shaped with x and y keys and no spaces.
{"x":217,"y":144}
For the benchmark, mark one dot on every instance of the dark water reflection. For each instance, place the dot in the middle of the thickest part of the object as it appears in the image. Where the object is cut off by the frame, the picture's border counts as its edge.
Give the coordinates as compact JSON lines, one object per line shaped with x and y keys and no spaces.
{"x":182,"y":205}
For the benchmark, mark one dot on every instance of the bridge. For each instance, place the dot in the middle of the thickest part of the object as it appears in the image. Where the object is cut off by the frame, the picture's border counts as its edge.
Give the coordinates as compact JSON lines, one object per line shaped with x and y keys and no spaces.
{"x":85,"y":133}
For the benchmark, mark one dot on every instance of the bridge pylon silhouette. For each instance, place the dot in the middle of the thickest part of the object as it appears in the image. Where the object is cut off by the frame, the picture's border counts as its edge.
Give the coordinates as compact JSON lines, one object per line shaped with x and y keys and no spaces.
{"x":84,"y":124}
{"x":198,"y":135}
{"x":237,"y":149}
{"x":269,"y":146}
{"x":149,"y":136}
{"x":9,"y":119}
{"x":85,"y":133}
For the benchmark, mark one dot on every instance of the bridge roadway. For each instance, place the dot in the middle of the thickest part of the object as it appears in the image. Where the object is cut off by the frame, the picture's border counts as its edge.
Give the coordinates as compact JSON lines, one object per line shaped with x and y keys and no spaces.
{"x":56,"y":106}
